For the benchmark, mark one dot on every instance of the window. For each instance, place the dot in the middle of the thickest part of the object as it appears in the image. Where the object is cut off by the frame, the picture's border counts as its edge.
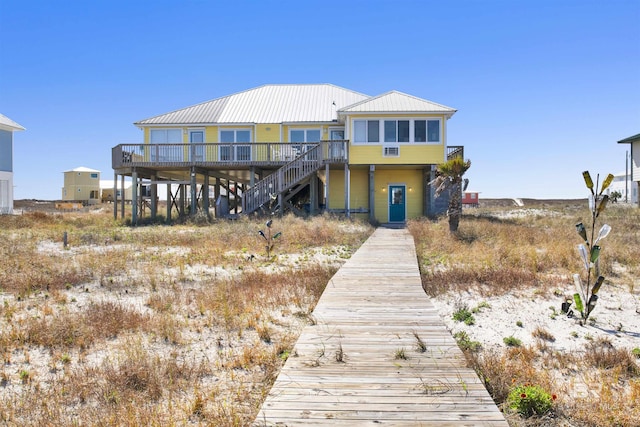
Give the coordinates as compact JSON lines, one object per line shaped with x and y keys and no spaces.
{"x":366,"y":131}
{"x":396,"y":131}
{"x":94,"y":175}
{"x":420,"y":131}
{"x":238,"y":149}
{"x":433,"y":130}
{"x":166,"y":136}
{"x":304,"y":135}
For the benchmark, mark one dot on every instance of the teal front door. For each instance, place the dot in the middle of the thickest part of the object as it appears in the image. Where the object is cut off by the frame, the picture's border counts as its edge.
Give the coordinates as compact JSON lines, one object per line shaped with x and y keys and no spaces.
{"x":397,"y":203}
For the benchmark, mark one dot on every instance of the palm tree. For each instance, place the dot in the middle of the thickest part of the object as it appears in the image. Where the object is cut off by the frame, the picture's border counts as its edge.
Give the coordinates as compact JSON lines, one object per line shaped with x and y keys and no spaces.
{"x":449,"y":179}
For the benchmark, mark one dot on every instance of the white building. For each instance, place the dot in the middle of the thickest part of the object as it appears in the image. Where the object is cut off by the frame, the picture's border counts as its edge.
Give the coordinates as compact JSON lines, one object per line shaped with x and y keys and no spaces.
{"x":7,"y":127}
{"x":629,"y":192}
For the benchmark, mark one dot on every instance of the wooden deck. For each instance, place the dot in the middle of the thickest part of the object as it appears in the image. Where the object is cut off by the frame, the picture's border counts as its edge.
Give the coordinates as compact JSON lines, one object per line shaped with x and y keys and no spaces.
{"x":348,"y":369}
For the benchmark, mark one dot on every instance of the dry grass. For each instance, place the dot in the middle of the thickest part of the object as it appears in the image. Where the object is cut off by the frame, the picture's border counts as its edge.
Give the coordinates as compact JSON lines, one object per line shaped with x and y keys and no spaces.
{"x":156,"y":325}
{"x":499,"y":252}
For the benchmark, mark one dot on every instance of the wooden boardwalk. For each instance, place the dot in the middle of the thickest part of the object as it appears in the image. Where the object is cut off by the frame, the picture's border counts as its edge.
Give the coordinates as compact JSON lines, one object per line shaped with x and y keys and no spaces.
{"x":379,"y":354}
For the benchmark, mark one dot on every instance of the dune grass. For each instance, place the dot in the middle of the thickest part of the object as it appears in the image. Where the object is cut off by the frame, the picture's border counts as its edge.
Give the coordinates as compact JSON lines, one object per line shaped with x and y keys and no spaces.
{"x":156,"y":325}
{"x":503,"y":251}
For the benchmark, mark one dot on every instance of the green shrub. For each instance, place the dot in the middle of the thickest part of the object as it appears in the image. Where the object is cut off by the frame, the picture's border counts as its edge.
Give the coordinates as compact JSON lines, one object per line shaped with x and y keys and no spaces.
{"x":464,"y":315}
{"x":528,"y":400}
{"x":512,"y":341}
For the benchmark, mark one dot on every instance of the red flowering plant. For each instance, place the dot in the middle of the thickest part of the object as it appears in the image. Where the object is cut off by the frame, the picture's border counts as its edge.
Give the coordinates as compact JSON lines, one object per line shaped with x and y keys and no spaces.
{"x":529,"y":399}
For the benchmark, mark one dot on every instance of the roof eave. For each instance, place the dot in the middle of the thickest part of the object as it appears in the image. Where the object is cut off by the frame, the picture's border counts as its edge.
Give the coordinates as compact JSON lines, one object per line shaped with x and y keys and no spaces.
{"x":631,"y":139}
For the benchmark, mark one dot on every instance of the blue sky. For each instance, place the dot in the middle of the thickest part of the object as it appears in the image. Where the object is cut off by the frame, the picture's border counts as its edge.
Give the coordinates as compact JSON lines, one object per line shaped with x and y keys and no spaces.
{"x":544,"y":89}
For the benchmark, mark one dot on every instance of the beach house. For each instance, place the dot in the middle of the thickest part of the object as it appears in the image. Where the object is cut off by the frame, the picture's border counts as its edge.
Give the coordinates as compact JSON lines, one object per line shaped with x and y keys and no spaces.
{"x":304,"y":148}
{"x":634,"y":142}
{"x":7,"y":127}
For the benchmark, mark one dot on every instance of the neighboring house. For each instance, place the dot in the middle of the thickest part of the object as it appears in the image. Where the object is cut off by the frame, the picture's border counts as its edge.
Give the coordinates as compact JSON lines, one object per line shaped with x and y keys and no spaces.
{"x":82,"y":185}
{"x":470,"y":199}
{"x":634,"y":141}
{"x":303,"y":148}
{"x":106,"y":191}
{"x":622,"y":184}
{"x":7,"y":127}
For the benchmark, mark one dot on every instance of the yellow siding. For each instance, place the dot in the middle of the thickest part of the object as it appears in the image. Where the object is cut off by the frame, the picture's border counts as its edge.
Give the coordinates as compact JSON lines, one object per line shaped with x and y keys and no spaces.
{"x":79,"y":185}
{"x":336,"y":189}
{"x":409,"y":154}
{"x":359,"y":189}
{"x":411,"y":178}
{"x":267,"y":133}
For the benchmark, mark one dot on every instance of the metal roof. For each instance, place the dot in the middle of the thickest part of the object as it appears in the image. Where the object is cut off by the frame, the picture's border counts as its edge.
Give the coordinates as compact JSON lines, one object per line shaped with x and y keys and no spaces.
{"x":8,"y":124}
{"x":629,"y":140}
{"x":397,"y":102}
{"x":285,"y":103}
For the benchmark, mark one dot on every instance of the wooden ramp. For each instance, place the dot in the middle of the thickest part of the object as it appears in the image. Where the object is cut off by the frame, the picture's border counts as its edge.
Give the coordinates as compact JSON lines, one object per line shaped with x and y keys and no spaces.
{"x":379,"y":353}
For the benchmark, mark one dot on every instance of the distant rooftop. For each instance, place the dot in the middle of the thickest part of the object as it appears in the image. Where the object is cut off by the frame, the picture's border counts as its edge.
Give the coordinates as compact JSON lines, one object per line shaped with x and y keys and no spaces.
{"x":7,"y":124}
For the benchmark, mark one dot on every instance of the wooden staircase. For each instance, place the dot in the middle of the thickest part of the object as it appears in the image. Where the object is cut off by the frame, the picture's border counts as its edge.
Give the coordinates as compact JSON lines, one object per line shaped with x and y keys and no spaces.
{"x":270,"y":190}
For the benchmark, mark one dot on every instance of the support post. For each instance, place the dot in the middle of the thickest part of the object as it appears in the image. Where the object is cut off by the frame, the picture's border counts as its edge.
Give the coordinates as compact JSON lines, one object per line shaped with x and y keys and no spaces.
{"x":346,"y":191}
{"x":123,"y":196}
{"x":115,"y":195}
{"x":194,"y":192}
{"x":182,"y":201}
{"x":372,"y":191}
{"x":313,"y":194}
{"x":154,"y":198}
{"x":326,"y":185}
{"x":169,"y":202}
{"x":134,"y":198}
{"x":205,"y":194}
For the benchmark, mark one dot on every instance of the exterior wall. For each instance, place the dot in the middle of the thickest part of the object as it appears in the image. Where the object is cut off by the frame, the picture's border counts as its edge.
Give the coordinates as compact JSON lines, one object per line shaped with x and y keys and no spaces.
{"x":267,"y":133}
{"x":412,"y":153}
{"x":6,"y":192}
{"x":635,"y":161}
{"x":79,"y":185}
{"x":409,"y":154}
{"x":6,"y":151}
{"x":359,"y":188}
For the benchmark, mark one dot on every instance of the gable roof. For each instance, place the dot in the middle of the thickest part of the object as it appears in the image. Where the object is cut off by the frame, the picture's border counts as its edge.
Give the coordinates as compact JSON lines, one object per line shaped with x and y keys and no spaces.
{"x":266,"y":104}
{"x":629,"y":140}
{"x":395,"y":101}
{"x":7,"y":124}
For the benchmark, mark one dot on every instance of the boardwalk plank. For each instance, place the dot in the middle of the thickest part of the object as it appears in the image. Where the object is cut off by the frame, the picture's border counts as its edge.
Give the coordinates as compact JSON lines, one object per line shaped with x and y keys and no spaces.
{"x":345,"y":368}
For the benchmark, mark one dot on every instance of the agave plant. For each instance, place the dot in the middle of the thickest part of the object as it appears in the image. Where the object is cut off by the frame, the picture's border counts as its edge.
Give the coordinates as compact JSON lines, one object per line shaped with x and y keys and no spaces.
{"x":586,"y":295}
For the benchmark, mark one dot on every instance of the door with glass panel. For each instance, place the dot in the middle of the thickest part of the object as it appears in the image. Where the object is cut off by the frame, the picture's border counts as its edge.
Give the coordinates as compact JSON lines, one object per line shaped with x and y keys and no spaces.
{"x":397,"y":203}
{"x":337,"y":149}
{"x":235,"y":145}
{"x":196,"y":149}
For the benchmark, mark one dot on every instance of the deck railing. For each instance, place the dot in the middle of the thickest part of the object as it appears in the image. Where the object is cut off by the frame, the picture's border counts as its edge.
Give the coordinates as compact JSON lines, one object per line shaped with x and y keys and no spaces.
{"x":293,"y":173}
{"x":219,"y":154}
{"x":455,"y":151}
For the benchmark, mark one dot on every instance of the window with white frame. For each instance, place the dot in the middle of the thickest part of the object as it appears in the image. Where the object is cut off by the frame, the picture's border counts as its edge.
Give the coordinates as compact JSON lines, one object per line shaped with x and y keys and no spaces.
{"x":426,"y":130}
{"x":397,"y":131}
{"x":165,"y":136}
{"x":366,"y":131}
{"x":238,"y":148}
